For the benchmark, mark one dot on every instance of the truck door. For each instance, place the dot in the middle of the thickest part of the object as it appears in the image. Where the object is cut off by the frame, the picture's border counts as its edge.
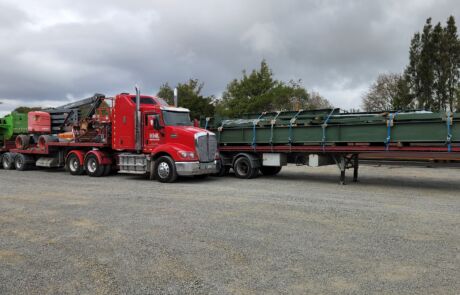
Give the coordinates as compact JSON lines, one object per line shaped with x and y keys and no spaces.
{"x":152,"y":137}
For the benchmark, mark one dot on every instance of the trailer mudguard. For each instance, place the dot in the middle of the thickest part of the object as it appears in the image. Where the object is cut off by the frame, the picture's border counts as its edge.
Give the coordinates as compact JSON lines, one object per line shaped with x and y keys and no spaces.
{"x":101,"y":156}
{"x":80,"y":154}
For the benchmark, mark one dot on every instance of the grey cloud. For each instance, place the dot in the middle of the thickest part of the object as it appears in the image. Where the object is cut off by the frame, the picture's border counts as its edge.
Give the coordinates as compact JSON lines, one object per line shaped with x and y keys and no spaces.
{"x":61,"y":49}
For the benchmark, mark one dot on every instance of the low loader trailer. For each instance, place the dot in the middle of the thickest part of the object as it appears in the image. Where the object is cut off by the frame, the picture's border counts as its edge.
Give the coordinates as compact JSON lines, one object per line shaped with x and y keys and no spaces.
{"x":137,"y":134}
{"x":266,"y":142}
{"x":10,"y":126}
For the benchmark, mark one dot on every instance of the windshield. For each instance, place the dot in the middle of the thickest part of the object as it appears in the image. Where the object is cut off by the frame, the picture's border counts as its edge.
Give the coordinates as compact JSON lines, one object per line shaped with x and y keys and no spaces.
{"x":177,"y":118}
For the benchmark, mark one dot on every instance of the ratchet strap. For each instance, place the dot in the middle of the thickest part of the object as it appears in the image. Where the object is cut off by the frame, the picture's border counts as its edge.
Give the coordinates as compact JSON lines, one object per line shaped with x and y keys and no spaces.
{"x":254,"y":124}
{"x":449,"y":123}
{"x":390,"y":123}
{"x":292,"y":121}
{"x":206,"y":124}
{"x":272,"y":123}
{"x":324,"y":126}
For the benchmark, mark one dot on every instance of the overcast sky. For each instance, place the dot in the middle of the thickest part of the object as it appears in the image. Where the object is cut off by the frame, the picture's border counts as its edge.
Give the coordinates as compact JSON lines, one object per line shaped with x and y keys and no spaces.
{"x":55,"y":51}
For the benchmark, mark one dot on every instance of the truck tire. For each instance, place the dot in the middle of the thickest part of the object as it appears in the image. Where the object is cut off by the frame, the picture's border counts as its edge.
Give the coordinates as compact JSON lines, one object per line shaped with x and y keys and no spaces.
{"x":93,"y":167}
{"x":107,"y":170}
{"x":20,"y":162}
{"x":44,"y":139}
{"x":22,"y":141}
{"x":74,"y":166}
{"x":244,"y":168}
{"x":165,"y":169}
{"x":270,"y":170}
{"x":8,"y":161}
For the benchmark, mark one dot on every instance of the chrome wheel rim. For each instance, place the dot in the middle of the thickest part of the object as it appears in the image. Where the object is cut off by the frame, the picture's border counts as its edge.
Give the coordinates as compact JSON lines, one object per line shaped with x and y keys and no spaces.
{"x":19,"y":163}
{"x":74,"y":164}
{"x":163,"y":170}
{"x":92,"y":165}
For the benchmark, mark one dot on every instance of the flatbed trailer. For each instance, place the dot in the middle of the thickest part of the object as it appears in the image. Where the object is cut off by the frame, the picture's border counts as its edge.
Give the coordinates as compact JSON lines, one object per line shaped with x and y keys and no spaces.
{"x":266,"y":142}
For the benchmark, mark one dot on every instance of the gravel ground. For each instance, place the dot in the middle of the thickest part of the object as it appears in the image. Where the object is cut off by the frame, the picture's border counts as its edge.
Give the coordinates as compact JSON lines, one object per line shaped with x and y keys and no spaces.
{"x":397,"y":231}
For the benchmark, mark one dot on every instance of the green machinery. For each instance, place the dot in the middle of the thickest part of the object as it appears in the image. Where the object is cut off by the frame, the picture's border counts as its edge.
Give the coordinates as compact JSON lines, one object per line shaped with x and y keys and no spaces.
{"x":10,"y":125}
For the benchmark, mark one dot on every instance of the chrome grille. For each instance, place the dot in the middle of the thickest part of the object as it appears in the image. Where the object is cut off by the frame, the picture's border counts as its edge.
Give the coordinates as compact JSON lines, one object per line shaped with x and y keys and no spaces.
{"x":206,"y":146}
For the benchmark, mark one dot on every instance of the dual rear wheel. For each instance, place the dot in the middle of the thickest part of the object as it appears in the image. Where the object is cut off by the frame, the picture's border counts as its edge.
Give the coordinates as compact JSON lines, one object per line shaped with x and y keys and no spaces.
{"x":91,"y":166}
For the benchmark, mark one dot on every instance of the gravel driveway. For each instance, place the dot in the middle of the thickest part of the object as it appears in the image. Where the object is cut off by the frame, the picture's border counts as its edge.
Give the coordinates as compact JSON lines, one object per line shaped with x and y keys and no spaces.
{"x":397,"y":231}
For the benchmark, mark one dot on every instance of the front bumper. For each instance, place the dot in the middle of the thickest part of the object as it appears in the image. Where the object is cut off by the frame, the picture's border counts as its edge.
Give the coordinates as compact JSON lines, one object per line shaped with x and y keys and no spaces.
{"x":195,"y":168}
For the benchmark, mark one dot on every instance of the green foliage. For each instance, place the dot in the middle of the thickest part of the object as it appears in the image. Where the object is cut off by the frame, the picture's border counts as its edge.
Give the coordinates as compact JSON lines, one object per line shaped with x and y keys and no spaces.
{"x":24,"y":109}
{"x":434,"y":66}
{"x":190,"y":97}
{"x":259,"y":92}
{"x":388,"y":92}
{"x":167,"y":93}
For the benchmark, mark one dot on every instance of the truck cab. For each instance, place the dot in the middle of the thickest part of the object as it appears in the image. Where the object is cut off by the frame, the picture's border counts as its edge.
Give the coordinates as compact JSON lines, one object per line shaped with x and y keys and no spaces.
{"x":153,"y":137}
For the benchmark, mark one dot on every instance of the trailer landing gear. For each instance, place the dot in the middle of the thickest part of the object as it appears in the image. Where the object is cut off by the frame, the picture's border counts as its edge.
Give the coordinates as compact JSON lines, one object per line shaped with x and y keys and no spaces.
{"x":345,"y":162}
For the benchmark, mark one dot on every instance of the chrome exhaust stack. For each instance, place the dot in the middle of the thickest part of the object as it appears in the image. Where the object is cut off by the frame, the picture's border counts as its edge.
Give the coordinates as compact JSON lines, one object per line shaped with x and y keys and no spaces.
{"x":137,"y":117}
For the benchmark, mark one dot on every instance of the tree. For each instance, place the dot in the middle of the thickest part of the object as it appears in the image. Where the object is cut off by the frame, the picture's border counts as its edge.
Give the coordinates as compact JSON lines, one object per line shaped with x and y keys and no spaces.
{"x":259,"y":92}
{"x":167,"y":93}
{"x":388,"y":92}
{"x":318,"y":102}
{"x":452,"y":55}
{"x":190,"y":97}
{"x":24,"y":109}
{"x":434,"y":64}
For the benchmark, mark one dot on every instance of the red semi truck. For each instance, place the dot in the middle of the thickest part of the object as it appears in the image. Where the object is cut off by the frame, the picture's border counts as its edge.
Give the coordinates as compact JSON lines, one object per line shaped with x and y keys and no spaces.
{"x":137,"y":134}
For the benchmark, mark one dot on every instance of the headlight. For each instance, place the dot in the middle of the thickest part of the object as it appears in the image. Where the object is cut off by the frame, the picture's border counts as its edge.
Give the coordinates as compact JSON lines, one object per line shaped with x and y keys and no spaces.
{"x":187,"y":155}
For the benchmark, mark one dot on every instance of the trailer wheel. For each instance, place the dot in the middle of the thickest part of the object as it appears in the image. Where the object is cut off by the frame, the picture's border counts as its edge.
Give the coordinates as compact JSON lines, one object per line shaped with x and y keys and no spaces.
{"x":8,"y":161}
{"x":20,"y":162}
{"x":270,"y":170}
{"x":165,"y":169}
{"x":244,"y":168}
{"x":74,"y":166}
{"x":93,"y":167}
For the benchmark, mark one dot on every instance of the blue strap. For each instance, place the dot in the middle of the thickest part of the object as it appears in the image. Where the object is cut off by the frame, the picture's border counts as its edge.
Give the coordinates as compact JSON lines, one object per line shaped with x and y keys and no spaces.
{"x":290,"y":126}
{"x":254,"y":124}
{"x":273,"y":122}
{"x":389,"y":124}
{"x":449,"y":121}
{"x":323,"y":126}
{"x":206,"y":125}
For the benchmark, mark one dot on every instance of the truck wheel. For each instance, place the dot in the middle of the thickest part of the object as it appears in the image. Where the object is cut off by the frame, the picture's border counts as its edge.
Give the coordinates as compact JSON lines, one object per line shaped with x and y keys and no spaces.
{"x":93,"y":167}
{"x":270,"y":170}
{"x":7,"y":161}
{"x":20,"y":162}
{"x":165,"y":169}
{"x":244,"y":168}
{"x":74,"y":166}
{"x":107,"y":170}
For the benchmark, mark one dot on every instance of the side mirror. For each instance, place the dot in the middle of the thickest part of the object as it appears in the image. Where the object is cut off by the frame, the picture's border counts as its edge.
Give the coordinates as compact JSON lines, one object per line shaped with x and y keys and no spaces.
{"x":156,"y":123}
